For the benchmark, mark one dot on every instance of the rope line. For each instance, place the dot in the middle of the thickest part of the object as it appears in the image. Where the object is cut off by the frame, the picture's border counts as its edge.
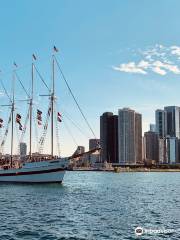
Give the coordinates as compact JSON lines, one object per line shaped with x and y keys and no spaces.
{"x":40,"y":76}
{"x":45,"y":127}
{"x":67,"y":84}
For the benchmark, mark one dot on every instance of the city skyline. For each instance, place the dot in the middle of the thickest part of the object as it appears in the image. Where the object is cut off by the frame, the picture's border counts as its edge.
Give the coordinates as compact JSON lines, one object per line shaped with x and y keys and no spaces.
{"x":123,"y":142}
{"x":103,"y":52}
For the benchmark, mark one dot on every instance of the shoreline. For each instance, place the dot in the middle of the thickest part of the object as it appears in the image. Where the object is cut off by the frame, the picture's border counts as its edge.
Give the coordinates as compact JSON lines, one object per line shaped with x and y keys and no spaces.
{"x":121,"y":170}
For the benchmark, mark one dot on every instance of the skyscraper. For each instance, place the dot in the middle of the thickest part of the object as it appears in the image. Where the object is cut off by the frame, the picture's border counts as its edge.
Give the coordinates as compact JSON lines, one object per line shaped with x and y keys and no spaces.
{"x":93,"y":143}
{"x":168,"y":128}
{"x":152,"y":127}
{"x":151,"y":146}
{"x":109,"y":137}
{"x":138,"y":137}
{"x":168,"y":122}
{"x":23,"y":150}
{"x":162,"y":150}
{"x":161,"y":123}
{"x":173,"y":123}
{"x":172,"y":149}
{"x":130,"y":136}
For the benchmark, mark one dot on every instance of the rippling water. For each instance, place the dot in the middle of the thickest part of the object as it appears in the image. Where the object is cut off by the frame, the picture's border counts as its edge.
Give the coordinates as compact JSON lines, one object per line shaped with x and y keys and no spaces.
{"x":92,"y":205}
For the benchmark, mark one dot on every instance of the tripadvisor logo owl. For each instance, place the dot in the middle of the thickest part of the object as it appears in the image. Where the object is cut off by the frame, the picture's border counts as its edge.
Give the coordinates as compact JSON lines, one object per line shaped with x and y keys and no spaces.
{"x":139,"y":231}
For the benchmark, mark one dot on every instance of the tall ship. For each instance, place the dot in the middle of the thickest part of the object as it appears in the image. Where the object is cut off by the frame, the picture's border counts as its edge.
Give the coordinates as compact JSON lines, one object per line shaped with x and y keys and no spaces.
{"x":34,"y":167}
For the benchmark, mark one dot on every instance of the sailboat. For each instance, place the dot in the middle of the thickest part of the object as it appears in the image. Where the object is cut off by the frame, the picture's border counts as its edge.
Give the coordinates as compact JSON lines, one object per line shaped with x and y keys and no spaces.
{"x":35,"y":169}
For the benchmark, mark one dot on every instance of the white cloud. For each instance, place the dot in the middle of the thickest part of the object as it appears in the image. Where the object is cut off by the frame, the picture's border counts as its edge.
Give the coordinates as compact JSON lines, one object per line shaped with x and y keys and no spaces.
{"x":143,"y":64}
{"x":130,"y":67}
{"x":160,"y":66}
{"x":158,"y":70}
{"x":141,"y":67}
{"x":158,"y":59}
{"x":173,"y":68}
{"x":175,"y":50}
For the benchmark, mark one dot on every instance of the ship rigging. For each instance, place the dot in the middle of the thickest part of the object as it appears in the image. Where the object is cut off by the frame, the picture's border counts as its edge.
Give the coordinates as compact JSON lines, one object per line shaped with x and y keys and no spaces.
{"x":35,"y":168}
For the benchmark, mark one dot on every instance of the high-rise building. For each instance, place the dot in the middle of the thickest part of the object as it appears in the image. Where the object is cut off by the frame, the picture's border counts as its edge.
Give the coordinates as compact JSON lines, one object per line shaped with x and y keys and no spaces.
{"x":143,"y":149}
{"x":152,"y":127}
{"x":168,"y":122}
{"x":168,"y":129}
{"x":161,"y":123}
{"x":178,"y":150}
{"x":23,"y":149}
{"x":93,"y":143}
{"x":162,"y":151}
{"x":173,"y":121}
{"x":151,"y":145}
{"x":138,"y":138}
{"x":130,"y":136}
{"x":172,"y":149}
{"x":109,"y":137}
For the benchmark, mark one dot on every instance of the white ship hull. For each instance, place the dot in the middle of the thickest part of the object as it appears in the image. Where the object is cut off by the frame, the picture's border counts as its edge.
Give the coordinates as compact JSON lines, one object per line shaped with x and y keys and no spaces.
{"x":36,"y":172}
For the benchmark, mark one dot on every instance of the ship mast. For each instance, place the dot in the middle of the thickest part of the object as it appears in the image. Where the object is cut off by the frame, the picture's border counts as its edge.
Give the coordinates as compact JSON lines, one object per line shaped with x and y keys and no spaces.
{"x":12,"y":118}
{"x":52,"y":107}
{"x":30,"y":111}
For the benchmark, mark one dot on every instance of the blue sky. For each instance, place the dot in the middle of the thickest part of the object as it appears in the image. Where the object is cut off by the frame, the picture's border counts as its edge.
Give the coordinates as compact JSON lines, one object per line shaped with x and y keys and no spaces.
{"x":114,"y":54}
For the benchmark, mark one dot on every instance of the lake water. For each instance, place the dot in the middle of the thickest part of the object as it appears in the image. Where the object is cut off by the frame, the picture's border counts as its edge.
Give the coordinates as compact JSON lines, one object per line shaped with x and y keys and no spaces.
{"x":93,"y":205}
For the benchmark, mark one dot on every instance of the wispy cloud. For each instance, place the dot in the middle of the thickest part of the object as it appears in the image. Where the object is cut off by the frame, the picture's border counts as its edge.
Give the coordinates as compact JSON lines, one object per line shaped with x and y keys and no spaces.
{"x":175,"y":50}
{"x":158,"y":59}
{"x":130,"y":67}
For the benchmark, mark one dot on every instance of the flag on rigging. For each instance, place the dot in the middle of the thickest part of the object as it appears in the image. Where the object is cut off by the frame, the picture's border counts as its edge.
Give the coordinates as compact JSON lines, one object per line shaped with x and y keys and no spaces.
{"x":34,"y":57}
{"x":18,"y":120}
{"x":1,"y":122}
{"x":49,"y":111}
{"x":55,"y":49}
{"x":39,"y":117}
{"x":59,"y":117}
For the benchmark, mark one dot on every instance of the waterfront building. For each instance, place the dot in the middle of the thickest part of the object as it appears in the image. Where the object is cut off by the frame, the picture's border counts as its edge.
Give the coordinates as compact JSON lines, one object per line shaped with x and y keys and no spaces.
{"x":152,"y":127}
{"x":172,"y":150}
{"x":80,"y":149}
{"x":23,"y":149}
{"x":168,"y":122}
{"x":178,"y":150}
{"x":168,"y":129}
{"x":130,"y":136}
{"x":151,"y":146}
{"x":93,"y":143}
{"x":162,"y":151}
{"x":109,"y":137}
{"x":161,"y":123}
{"x":173,"y":121}
{"x":138,"y":138}
{"x":143,"y":149}
{"x":94,"y":158}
